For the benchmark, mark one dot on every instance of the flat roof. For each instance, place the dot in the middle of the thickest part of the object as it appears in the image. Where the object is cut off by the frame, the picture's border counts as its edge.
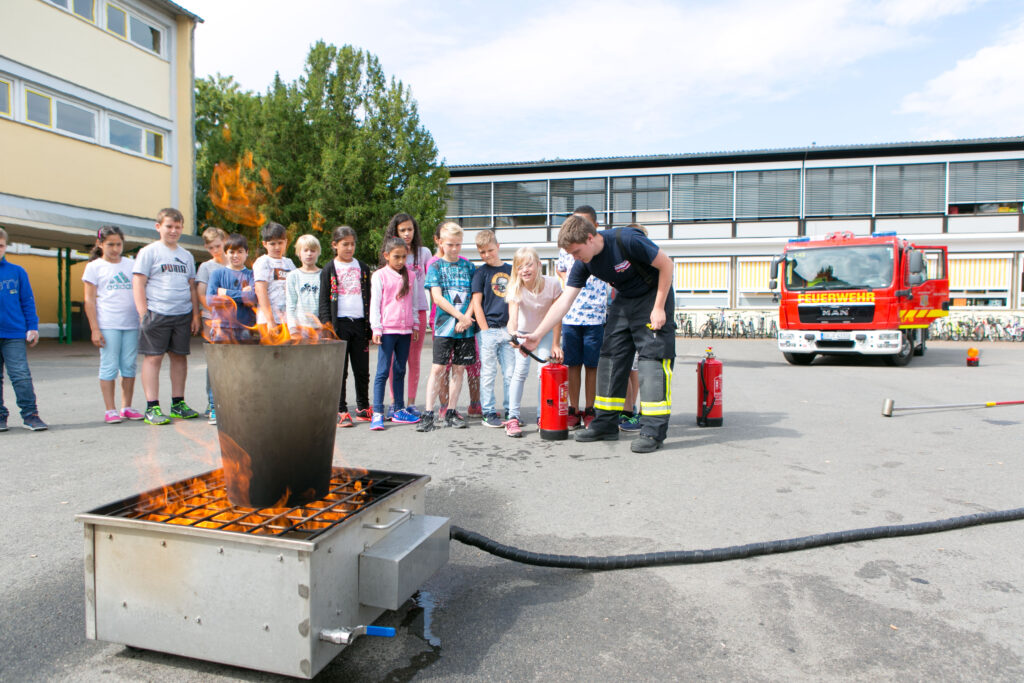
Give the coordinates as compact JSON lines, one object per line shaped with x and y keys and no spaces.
{"x":743,"y":156}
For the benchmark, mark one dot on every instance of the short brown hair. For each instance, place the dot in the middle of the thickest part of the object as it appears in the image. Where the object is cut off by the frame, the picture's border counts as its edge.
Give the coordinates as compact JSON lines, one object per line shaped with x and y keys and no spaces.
{"x":171,"y":213}
{"x":575,"y":230}
{"x":211,"y":235}
{"x":485,"y":238}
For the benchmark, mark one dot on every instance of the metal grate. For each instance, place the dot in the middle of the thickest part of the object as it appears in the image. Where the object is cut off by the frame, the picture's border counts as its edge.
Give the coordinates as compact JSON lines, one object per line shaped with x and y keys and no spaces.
{"x":202,"y":502}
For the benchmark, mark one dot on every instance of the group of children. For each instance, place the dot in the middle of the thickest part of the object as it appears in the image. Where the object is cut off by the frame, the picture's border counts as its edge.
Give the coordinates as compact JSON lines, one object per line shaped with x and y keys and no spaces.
{"x":151,"y":305}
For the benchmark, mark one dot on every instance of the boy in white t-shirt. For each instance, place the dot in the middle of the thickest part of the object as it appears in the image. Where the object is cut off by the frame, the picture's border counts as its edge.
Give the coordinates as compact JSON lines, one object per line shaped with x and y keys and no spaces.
{"x":302,"y":287}
{"x":164,"y":287}
{"x":270,"y":272}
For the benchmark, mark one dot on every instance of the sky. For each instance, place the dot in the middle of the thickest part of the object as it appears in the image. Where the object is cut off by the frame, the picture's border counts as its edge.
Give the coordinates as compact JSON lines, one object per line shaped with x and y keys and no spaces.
{"x":545,"y":79}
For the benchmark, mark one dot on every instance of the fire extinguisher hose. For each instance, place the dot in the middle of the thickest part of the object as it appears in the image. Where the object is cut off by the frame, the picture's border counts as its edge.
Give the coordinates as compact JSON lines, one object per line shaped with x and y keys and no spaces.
{"x":736,"y":552}
{"x":702,"y":421}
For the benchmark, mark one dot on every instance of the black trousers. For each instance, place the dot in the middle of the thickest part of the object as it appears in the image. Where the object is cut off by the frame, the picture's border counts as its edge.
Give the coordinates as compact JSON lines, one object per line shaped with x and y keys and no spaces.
{"x":357,"y":354}
{"x":626,"y":333}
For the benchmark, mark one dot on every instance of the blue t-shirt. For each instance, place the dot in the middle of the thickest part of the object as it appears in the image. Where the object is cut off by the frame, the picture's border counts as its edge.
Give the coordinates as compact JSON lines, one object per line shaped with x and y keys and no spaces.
{"x":455,"y":281}
{"x":232,"y":281}
{"x":492,"y":282}
{"x":614,"y":267}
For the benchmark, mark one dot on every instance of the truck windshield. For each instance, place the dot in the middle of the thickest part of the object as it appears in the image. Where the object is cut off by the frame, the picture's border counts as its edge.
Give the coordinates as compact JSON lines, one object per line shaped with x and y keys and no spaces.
{"x":866,"y":267}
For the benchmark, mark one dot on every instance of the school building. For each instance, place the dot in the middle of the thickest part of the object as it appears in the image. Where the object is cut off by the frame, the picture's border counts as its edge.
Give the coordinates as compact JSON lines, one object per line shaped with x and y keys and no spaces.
{"x":721,"y":216}
{"x":96,"y":128}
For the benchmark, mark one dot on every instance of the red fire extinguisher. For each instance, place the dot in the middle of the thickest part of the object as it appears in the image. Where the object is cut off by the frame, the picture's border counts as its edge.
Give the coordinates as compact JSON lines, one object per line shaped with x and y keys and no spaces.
{"x":554,"y":402}
{"x":709,"y":391}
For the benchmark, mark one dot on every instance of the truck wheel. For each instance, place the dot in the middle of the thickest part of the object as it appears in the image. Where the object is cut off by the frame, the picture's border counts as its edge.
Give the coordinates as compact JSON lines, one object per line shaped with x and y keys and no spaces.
{"x":903,"y":356}
{"x":798,"y":358}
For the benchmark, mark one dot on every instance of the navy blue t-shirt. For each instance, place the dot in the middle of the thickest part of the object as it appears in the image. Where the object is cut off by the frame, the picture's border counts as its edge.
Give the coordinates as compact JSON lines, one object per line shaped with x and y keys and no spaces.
{"x":492,"y":282}
{"x":614,"y":267}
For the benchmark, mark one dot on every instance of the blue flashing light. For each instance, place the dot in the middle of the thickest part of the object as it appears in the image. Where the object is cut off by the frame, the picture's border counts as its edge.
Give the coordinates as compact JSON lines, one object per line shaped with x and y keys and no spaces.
{"x":885,"y":234}
{"x":801,"y":239}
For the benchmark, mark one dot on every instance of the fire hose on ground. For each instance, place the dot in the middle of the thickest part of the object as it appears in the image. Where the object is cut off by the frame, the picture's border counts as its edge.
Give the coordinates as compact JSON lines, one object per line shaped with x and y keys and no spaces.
{"x":735,"y":552}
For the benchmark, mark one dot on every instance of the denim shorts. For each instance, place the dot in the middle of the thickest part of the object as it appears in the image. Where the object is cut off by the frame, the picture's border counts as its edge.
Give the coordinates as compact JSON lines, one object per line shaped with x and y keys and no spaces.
{"x":118,"y":353}
{"x":582,"y":344}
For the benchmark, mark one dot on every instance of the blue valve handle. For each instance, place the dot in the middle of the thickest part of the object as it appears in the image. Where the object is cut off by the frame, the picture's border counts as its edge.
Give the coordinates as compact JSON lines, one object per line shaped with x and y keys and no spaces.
{"x":385,"y":631}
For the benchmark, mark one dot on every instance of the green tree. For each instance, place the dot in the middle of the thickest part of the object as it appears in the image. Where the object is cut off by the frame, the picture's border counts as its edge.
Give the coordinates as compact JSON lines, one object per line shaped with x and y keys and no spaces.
{"x":342,"y":144}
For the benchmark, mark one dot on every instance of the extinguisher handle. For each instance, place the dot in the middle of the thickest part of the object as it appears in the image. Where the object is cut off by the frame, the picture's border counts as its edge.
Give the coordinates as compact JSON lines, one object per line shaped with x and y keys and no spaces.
{"x":531,"y":354}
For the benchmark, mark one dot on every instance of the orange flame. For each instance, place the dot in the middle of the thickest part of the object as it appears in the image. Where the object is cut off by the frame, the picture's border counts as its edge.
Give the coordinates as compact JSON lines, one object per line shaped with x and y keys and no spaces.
{"x":235,"y":195}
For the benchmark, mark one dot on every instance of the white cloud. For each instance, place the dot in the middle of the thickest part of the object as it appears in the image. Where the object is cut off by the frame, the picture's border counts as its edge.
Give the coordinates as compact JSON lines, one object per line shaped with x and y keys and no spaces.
{"x":982,"y":96}
{"x":908,"y":12}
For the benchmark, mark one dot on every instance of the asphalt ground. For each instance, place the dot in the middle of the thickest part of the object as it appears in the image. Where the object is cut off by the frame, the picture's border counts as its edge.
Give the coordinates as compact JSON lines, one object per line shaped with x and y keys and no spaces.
{"x":803,"y":450}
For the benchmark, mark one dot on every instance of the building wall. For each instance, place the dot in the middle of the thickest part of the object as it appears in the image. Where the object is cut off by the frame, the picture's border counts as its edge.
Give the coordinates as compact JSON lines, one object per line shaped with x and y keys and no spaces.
{"x":47,"y":38}
{"x":185,"y":151}
{"x":42,"y":165}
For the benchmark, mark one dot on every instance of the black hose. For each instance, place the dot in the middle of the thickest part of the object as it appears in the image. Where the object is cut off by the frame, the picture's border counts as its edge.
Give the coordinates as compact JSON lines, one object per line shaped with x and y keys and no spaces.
{"x":736,"y":552}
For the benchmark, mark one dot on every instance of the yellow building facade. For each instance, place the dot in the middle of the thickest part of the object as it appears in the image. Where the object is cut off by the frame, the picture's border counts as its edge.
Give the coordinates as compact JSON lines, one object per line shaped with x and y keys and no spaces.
{"x":96,"y":127}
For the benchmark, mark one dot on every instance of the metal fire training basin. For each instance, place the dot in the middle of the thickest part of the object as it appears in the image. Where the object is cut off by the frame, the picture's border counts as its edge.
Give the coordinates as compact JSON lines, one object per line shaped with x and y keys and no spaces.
{"x":181,"y":570}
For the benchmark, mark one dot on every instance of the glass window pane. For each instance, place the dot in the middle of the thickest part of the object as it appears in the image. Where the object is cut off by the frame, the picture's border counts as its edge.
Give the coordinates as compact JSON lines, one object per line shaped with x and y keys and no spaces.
{"x":117,"y":21}
{"x":125,"y":135}
{"x":37,"y":108}
{"x":60,"y":3}
{"x":154,"y":144}
{"x":76,"y":120}
{"x":5,"y":98}
{"x":144,"y":35}
{"x":82,"y":8}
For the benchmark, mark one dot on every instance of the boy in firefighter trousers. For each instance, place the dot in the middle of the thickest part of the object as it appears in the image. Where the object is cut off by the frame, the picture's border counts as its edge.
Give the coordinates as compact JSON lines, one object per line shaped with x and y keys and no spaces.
{"x":640,"y":320}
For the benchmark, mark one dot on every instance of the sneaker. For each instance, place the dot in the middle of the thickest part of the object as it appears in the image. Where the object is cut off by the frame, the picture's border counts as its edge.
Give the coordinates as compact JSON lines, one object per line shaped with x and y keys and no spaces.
{"x":155,"y":416}
{"x":514,"y":428}
{"x":492,"y":420}
{"x":213,"y":417}
{"x":345,"y":420}
{"x":630,"y":423}
{"x":3,"y":424}
{"x":475,"y":410}
{"x":112,"y":417}
{"x":181,"y":411}
{"x":588,"y":417}
{"x":209,"y":409}
{"x":404,"y":417}
{"x":377,"y":422}
{"x":453,"y":419}
{"x":33,"y":424}
{"x":645,"y":444}
{"x":390,"y":414}
{"x":364,"y":415}
{"x":573,"y":419}
{"x":414,"y":411}
{"x":130,"y":413}
{"x":426,"y":422}
{"x":589,"y":434}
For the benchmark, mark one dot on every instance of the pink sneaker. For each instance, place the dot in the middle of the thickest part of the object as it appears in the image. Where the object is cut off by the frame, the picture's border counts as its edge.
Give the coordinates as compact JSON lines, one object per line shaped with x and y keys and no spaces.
{"x":475,"y":410}
{"x":112,"y":417}
{"x":130,"y":413}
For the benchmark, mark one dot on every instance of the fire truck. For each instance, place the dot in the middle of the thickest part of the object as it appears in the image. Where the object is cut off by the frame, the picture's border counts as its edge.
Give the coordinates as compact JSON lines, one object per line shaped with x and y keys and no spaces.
{"x":847,"y":294}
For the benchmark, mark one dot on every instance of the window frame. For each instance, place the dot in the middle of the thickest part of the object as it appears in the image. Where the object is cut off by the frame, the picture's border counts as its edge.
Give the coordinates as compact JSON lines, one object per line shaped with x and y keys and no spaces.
{"x":32,"y":91}
{"x":106,"y":20}
{"x":65,"y":131}
{"x":142,"y":150}
{"x":9,"y":112}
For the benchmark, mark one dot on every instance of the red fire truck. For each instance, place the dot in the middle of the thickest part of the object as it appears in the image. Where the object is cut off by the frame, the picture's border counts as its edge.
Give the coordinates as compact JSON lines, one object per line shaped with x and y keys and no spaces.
{"x":872,"y":295}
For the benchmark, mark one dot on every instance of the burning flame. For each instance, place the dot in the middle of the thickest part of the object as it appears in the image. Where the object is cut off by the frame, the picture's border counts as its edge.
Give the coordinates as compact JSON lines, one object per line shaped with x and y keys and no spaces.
{"x":224,"y":327}
{"x":235,"y":195}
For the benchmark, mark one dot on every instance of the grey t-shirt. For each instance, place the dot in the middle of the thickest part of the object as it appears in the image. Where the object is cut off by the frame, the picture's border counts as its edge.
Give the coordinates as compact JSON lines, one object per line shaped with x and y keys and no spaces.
{"x":203,"y":274}
{"x":170,"y":273}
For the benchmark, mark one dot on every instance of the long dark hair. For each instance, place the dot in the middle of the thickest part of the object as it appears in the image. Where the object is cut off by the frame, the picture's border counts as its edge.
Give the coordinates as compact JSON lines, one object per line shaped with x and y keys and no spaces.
{"x":390,"y":244}
{"x":417,"y":240}
{"x":101,"y":236}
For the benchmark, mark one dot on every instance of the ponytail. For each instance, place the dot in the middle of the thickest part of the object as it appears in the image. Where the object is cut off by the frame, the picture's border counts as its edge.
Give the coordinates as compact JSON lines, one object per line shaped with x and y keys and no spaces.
{"x":405,"y":283}
{"x":101,"y":236}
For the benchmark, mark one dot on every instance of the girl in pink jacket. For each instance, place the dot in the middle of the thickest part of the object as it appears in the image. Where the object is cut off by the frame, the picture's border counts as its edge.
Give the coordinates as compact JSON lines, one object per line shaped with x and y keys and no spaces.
{"x":394,"y":326}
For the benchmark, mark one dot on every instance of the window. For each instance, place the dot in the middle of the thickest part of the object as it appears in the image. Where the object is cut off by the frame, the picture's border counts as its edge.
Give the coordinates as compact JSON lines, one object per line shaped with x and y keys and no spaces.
{"x":84,"y":9}
{"x":136,"y":139}
{"x":567,"y":194}
{"x":520,"y":203}
{"x":37,"y":108}
{"x":702,"y":196}
{"x":982,"y":280}
{"x":143,"y":34}
{"x":76,"y":120}
{"x":910,"y":189}
{"x":117,"y":21}
{"x":768,"y":194}
{"x":838,"y":191}
{"x":983,"y":187}
{"x":701,"y":282}
{"x":641,"y":199}
{"x":5,"y":98}
{"x":469,"y":199}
